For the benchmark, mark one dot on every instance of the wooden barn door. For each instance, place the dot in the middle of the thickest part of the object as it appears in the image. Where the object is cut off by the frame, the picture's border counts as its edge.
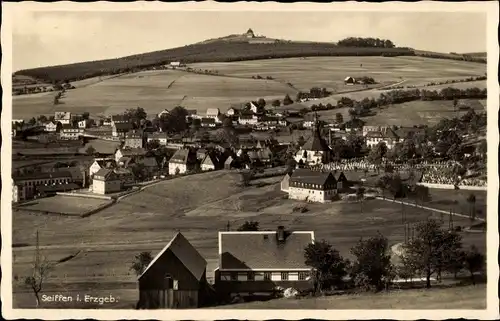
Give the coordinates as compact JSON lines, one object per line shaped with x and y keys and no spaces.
{"x":166,"y":295}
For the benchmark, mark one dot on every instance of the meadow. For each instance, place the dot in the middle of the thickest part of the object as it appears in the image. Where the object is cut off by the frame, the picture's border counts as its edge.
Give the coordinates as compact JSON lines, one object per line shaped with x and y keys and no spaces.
{"x":199,"y":206}
{"x":157,"y":90}
{"x":69,"y":205}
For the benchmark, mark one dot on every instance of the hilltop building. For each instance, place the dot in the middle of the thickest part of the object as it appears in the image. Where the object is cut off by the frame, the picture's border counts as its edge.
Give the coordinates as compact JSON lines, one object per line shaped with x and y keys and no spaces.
{"x":250,"y":33}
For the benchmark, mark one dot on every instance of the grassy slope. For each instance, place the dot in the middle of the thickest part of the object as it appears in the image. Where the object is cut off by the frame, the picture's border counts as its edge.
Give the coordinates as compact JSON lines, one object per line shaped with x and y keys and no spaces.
{"x":470,"y":297}
{"x":199,"y":206}
{"x":156,"y":90}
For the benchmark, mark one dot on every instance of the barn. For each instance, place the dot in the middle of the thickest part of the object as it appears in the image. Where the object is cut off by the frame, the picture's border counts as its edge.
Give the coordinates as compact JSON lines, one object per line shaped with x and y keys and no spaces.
{"x":349,"y":80}
{"x":175,"y":278}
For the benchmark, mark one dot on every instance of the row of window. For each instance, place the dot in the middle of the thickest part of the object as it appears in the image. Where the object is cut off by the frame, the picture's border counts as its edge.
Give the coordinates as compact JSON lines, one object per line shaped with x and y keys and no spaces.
{"x":306,"y":185}
{"x":264,"y":276}
{"x":50,"y":181}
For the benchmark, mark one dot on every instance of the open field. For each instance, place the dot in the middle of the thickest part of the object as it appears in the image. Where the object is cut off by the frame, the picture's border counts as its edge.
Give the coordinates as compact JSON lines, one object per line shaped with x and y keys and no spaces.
{"x":199,"y":206}
{"x":467,"y":297}
{"x":330,"y":72}
{"x":156,"y":90}
{"x":65,"y":204}
{"x":410,"y":113}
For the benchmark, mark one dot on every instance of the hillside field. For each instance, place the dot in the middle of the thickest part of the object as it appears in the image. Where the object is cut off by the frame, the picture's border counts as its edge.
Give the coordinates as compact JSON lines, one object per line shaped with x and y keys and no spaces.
{"x":199,"y":206}
{"x":156,"y":90}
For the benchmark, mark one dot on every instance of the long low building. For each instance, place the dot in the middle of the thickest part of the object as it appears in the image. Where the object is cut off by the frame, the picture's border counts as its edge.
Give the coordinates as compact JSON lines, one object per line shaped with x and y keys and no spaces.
{"x":25,"y":187}
{"x":311,"y":186}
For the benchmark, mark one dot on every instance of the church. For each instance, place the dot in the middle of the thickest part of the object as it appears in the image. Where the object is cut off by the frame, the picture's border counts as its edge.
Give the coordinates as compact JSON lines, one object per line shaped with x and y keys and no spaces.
{"x":315,"y":151}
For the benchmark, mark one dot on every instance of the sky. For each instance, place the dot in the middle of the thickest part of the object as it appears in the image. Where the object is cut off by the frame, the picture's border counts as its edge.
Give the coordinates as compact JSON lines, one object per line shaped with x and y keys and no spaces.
{"x":48,"y":38}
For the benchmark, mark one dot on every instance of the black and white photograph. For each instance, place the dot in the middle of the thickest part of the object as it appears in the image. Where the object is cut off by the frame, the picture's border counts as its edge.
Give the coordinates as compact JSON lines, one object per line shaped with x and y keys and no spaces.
{"x":215,"y":160}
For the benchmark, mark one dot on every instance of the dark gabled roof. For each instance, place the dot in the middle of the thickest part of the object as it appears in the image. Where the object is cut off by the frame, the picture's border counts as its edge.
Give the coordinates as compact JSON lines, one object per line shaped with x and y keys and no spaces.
{"x":261,"y":250}
{"x":106,"y":162}
{"x":133,"y":151}
{"x":119,"y":118}
{"x":316,"y":143}
{"x":209,"y":160}
{"x":104,"y":173}
{"x":149,"y":161}
{"x":123,"y":126}
{"x":307,"y":176}
{"x":186,"y":253}
{"x":57,"y":187}
{"x":181,"y":156}
{"x":45,"y":175}
{"x":208,"y":121}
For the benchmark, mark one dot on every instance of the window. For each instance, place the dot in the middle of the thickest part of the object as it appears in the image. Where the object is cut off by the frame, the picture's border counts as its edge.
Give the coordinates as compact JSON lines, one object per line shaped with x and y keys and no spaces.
{"x":225,"y":276}
{"x":234,"y":276}
{"x":303,"y":276}
{"x":284,"y":276}
{"x":251,"y":276}
{"x":267,"y":276}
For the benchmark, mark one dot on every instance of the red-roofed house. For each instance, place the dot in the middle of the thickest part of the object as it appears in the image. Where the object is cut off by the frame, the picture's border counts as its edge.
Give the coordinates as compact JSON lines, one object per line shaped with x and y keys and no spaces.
{"x":255,"y":263}
{"x":175,"y":278}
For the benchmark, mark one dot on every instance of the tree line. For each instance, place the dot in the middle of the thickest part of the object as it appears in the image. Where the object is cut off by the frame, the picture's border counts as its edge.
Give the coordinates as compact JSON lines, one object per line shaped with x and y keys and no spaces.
{"x":366,"y":42}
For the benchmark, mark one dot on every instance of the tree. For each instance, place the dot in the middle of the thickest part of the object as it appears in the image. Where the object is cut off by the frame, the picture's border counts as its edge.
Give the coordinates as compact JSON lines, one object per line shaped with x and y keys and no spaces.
{"x":372,"y":268}
{"x":139,"y":171}
{"x":377,"y":154}
{"x":339,"y":119}
{"x":261,"y":103}
{"x":474,"y":262}
{"x":429,"y":249}
{"x":86,"y":115}
{"x":42,"y":119}
{"x":41,"y":270}
{"x":227,"y":123}
{"x":175,"y":121}
{"x":196,"y":124}
{"x":249,"y":226}
{"x":276,"y":103}
{"x":301,"y":141}
{"x":90,"y":150}
{"x":135,"y":115}
{"x":471,"y":199}
{"x":153,"y":144}
{"x":287,"y":100}
{"x":246,"y":177}
{"x":329,"y":267}
{"x":290,"y":165}
{"x":141,"y":262}
{"x":32,"y":121}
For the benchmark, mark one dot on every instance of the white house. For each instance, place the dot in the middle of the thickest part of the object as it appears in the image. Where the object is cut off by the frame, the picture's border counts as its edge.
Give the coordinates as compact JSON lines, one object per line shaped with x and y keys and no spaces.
{"x":175,"y":64}
{"x":84,"y":123}
{"x":247,"y":119}
{"x":100,"y":163}
{"x":70,"y":133}
{"x":213,"y":113}
{"x":232,"y":111}
{"x":105,"y":181}
{"x":312,"y":186}
{"x":64,"y":117}
{"x":349,"y":80}
{"x":51,"y":127}
{"x":162,"y":138}
{"x":181,"y":162}
{"x":390,"y":138}
{"x":207,"y":164}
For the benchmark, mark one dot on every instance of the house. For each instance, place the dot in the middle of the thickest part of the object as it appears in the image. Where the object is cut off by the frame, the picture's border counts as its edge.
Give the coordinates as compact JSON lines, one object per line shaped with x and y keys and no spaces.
{"x":230,"y":163}
{"x":349,"y":80}
{"x":84,"y":123}
{"x":175,"y":63}
{"x":100,"y":163}
{"x":254,"y":107}
{"x":175,"y":278}
{"x":283,"y":122}
{"x":406,"y":132}
{"x":249,"y":34}
{"x":208,"y":163}
{"x":70,"y":133}
{"x":256,"y":263}
{"x":312,"y":186}
{"x":150,"y":165}
{"x":368,"y":129}
{"x":24,"y":187}
{"x":129,"y":152}
{"x":315,"y":150}
{"x":233,"y":111}
{"x":63,"y":117}
{"x":120,"y":129}
{"x":161,"y":138}
{"x":208,"y":122}
{"x":105,"y":181}
{"x":183,"y":161}
{"x":309,"y":121}
{"x":388,"y":137}
{"x":342,"y":182}
{"x":213,"y":113}
{"x":51,"y":127}
{"x":134,"y":139}
{"x":285,"y":183}
{"x":269,"y":120}
{"x":248,"y":119}
{"x":107,"y":122}
{"x":163,"y":113}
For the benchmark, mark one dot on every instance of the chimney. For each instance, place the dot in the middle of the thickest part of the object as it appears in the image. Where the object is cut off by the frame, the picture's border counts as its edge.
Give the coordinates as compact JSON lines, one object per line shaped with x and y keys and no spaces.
{"x":280,"y":233}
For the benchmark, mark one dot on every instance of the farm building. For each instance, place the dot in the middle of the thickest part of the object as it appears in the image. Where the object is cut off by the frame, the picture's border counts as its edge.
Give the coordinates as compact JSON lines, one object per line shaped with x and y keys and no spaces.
{"x":24,"y":187}
{"x":120,"y":129}
{"x":208,"y":163}
{"x":129,"y":152}
{"x":163,"y":113}
{"x":100,"y":163}
{"x":312,"y":186}
{"x":52,"y":126}
{"x":51,"y":190}
{"x":315,"y":150}
{"x":182,"y":161}
{"x":106,"y":181}
{"x":230,"y":163}
{"x":134,"y":139}
{"x":70,"y":133}
{"x":349,"y":80}
{"x":175,"y":278}
{"x":213,"y":113}
{"x":63,"y":117}
{"x":255,"y":263}
{"x":161,"y":138}
{"x":233,"y":111}
{"x":368,"y":129}
{"x":389,"y":137}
